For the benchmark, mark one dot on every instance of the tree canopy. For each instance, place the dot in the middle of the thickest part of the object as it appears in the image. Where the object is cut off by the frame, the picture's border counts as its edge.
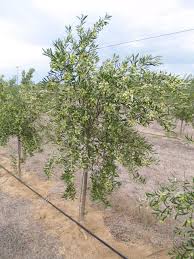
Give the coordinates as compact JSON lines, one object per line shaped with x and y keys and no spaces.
{"x":96,"y":104}
{"x":18,"y":113}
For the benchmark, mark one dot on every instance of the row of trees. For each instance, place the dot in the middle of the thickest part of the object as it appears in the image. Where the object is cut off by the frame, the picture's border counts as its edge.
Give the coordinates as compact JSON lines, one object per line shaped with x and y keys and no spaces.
{"x":185,"y":104}
{"x":19,"y":115}
{"x":92,"y":109}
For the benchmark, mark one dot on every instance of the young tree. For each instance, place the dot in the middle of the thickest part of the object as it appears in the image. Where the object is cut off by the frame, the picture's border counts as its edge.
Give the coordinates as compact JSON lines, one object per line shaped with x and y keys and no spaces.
{"x":18,"y":116}
{"x":27,"y":77}
{"x":184,"y":103}
{"x":94,"y":107}
{"x":177,"y":200}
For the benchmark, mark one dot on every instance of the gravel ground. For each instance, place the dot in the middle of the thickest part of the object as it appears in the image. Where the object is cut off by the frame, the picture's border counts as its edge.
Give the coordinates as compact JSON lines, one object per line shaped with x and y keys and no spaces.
{"x":20,"y":236}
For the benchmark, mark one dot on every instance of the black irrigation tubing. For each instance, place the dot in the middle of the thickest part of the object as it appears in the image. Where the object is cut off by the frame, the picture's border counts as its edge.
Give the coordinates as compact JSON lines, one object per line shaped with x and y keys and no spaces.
{"x":66,"y":215}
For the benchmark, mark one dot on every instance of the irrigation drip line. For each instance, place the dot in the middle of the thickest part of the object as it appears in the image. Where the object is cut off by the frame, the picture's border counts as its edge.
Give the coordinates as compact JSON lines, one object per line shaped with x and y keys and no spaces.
{"x":65,"y":214}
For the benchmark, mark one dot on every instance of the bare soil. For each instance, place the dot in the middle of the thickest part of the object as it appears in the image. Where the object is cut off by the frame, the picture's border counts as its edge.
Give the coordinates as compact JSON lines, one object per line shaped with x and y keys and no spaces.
{"x":29,"y":228}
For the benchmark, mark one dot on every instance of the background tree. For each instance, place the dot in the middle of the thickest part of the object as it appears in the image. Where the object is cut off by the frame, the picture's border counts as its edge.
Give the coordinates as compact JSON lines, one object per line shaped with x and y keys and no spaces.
{"x":27,"y":77}
{"x":9,"y":82}
{"x":94,"y":107}
{"x":19,"y":116}
{"x":183,"y":100}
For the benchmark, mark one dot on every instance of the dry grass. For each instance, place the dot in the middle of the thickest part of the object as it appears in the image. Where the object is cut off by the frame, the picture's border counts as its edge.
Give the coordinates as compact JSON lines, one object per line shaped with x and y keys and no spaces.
{"x":69,"y":241}
{"x":128,"y":225}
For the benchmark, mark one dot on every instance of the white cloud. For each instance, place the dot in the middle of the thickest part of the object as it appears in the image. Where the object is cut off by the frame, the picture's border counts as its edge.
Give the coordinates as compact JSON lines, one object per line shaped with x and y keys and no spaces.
{"x":133,"y":14}
{"x":135,"y":19}
{"x":131,"y":20}
{"x":15,"y":52}
{"x":181,"y":69}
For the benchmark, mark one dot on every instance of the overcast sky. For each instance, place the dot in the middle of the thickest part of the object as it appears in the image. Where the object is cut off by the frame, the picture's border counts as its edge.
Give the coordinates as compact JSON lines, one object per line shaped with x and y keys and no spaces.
{"x":27,"y":26}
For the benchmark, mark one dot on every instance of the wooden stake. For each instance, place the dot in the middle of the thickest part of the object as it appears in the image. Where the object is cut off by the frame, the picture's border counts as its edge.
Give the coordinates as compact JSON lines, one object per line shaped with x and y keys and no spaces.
{"x":19,"y":157}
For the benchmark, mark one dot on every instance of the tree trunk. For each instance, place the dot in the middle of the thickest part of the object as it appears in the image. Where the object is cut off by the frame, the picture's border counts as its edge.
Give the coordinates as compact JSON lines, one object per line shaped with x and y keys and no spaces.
{"x":19,"y":157}
{"x":181,"y":129}
{"x":83,"y":195}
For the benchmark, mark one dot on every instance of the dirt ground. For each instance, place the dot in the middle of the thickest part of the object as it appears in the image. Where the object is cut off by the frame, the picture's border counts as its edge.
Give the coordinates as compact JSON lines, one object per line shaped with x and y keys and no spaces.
{"x":29,"y":228}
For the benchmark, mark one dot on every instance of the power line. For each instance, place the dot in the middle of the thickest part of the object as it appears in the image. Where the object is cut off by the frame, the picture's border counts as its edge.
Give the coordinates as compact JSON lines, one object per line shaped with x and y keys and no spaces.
{"x":146,"y":38}
{"x":65,"y":214}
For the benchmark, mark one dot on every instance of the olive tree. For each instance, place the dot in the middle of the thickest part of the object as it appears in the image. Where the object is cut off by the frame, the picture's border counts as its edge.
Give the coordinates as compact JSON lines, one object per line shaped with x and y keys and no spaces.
{"x":18,"y":116}
{"x":95,"y":106}
{"x":176,"y":199}
{"x":183,"y":101}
